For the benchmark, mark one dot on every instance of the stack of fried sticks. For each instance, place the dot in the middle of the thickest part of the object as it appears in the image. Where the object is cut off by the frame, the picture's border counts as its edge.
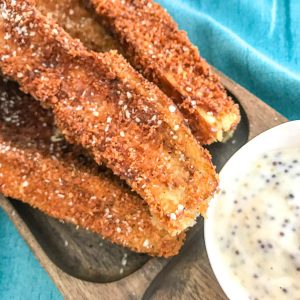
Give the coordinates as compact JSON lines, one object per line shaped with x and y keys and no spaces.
{"x":144,"y":119}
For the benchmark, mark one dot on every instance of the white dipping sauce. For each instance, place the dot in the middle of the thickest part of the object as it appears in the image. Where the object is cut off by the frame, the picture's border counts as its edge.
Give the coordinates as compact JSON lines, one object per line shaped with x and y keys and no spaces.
{"x":257,"y":227}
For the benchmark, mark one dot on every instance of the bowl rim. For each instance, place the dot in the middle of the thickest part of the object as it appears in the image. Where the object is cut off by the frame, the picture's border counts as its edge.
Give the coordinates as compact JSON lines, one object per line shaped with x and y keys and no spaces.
{"x":233,"y":290}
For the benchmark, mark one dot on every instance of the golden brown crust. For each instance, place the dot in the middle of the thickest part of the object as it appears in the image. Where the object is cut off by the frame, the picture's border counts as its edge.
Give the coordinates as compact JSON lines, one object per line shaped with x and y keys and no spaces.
{"x":153,"y":44}
{"x":102,"y":104}
{"x":38,"y":167}
{"x":79,"y":23}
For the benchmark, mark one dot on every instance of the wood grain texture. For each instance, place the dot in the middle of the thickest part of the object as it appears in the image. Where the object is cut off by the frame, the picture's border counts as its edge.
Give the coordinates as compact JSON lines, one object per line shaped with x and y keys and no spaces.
{"x":195,"y":280}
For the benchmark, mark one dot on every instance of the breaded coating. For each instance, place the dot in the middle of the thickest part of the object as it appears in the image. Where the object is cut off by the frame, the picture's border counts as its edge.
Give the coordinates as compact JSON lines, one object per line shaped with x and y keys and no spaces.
{"x":79,"y":23}
{"x":74,"y":18}
{"x":101,"y":103}
{"x":156,"y":47}
{"x":38,"y":167}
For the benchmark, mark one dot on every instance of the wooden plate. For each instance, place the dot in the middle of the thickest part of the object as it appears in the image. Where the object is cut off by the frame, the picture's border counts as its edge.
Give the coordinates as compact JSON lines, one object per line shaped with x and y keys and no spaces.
{"x":84,"y":266}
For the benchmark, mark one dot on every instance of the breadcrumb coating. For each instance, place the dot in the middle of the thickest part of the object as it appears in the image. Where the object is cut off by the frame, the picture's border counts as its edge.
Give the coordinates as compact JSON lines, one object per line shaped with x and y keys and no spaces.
{"x":40,"y":168}
{"x":101,"y":103}
{"x":79,"y":23}
{"x":154,"y":45}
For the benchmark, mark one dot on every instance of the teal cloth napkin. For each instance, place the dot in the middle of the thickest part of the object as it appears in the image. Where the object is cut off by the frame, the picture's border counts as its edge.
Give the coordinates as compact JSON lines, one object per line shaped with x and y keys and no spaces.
{"x":256,"y":43}
{"x":21,"y":275}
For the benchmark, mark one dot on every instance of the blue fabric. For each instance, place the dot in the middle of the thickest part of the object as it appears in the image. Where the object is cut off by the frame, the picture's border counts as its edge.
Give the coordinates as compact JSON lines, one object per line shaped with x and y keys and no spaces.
{"x":256,"y":43}
{"x":21,"y":275}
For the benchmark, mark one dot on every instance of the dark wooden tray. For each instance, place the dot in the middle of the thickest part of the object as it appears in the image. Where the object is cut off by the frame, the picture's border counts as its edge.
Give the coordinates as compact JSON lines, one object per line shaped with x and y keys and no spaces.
{"x":84,"y":266}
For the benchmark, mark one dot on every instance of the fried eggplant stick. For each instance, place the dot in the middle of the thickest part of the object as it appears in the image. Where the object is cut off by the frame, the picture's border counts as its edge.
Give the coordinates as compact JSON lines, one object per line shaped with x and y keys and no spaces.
{"x":38,"y":167}
{"x":101,"y":103}
{"x":154,"y":45}
{"x":79,"y":23}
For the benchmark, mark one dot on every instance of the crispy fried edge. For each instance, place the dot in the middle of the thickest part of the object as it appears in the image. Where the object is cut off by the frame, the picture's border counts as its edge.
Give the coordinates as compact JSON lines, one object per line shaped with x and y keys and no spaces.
{"x":189,"y":184}
{"x":153,"y":44}
{"x":36,"y":170}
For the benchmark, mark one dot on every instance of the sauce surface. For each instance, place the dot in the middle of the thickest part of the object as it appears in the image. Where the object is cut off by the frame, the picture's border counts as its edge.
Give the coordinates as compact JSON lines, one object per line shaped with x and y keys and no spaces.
{"x":257,"y":227}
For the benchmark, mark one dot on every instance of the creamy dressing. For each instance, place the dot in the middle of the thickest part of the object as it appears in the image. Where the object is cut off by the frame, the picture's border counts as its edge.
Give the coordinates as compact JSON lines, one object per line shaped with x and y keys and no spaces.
{"x":257,"y":227}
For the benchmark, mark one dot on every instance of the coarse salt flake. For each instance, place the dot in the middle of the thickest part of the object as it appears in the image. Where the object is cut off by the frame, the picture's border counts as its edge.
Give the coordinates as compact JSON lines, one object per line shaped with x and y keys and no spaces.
{"x":146,"y":243}
{"x":129,"y":95}
{"x":180,"y":207}
{"x":173,"y":216}
{"x":193,"y":103}
{"x":25,"y":184}
{"x":127,"y":114}
{"x":172,"y":108}
{"x":7,"y":36}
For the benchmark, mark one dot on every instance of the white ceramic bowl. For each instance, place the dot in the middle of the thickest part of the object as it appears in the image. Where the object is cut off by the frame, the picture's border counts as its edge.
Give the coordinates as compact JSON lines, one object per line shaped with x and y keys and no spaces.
{"x":284,"y":136}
